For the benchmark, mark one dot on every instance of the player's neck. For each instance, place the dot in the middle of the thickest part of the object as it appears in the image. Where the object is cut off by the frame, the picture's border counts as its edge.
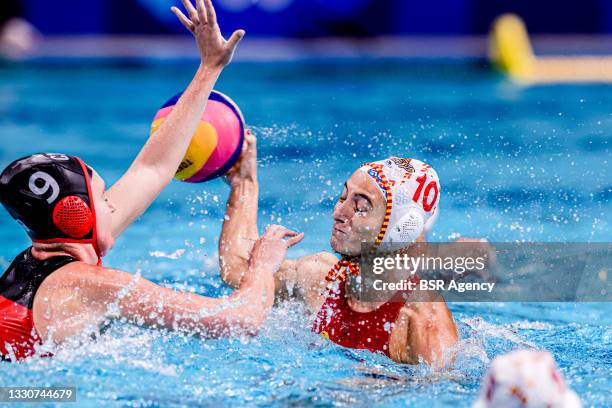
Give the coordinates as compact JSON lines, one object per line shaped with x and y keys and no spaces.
{"x":82,"y":252}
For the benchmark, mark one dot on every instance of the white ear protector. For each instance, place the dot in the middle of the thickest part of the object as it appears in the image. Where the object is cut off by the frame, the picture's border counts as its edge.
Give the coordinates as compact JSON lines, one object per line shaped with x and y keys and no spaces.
{"x":408,"y":228}
{"x":432,"y":220}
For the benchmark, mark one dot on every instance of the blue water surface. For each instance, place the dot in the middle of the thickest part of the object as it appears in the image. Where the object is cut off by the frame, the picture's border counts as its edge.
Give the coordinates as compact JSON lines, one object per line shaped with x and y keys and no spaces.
{"x":515,"y":163}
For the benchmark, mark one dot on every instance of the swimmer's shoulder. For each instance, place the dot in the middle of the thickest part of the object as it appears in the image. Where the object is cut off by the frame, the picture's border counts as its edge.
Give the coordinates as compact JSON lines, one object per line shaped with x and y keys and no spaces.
{"x":82,"y":271}
{"x":74,"y":295}
{"x":311,"y":273}
{"x":320,"y":259}
{"x":82,"y":276}
{"x":317,"y":264}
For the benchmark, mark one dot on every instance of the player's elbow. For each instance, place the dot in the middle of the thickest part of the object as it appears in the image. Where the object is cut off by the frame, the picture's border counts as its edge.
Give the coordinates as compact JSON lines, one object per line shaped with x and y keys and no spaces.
{"x":232,"y":275}
{"x":432,"y":334}
{"x":233,"y":268}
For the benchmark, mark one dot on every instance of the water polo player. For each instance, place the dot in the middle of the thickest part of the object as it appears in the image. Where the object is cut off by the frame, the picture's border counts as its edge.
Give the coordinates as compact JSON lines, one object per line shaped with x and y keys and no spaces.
{"x":392,"y":200}
{"x":57,"y":288}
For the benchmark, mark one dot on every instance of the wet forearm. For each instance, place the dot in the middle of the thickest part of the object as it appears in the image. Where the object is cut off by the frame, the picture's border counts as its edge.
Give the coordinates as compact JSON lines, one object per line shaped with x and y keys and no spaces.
{"x":158,"y":160}
{"x":239,"y":231}
{"x":243,"y":312}
{"x":254,"y":301}
{"x":166,"y":148}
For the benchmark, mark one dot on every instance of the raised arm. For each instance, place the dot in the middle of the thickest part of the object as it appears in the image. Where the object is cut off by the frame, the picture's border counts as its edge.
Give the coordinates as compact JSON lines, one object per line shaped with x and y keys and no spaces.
{"x":62,"y":311}
{"x":239,"y":231}
{"x":161,"y":155}
{"x":303,"y":277}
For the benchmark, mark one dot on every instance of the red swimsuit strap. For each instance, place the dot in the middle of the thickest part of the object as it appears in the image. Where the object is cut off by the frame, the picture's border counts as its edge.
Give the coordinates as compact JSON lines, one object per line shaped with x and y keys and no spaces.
{"x":338,"y":322}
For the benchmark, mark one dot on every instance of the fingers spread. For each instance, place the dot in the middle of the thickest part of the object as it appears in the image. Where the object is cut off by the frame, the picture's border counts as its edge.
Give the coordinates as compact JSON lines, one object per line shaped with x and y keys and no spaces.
{"x":183,"y":19}
{"x":210,"y":12}
{"x":193,"y":14}
{"x":202,"y":11}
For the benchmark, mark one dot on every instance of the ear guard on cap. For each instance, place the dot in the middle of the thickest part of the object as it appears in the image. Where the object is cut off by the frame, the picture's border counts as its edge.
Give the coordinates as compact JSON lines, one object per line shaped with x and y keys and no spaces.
{"x":73,"y":217}
{"x":407,"y":228}
{"x":431,"y":221}
{"x":411,"y":191}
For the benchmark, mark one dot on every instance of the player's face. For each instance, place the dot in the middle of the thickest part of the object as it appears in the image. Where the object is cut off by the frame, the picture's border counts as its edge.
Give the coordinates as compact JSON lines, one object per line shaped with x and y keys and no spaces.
{"x":358,"y":214}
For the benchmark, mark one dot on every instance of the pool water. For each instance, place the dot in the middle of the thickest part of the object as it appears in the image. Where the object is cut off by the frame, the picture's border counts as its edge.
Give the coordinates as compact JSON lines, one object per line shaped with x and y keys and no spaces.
{"x":515,"y":163}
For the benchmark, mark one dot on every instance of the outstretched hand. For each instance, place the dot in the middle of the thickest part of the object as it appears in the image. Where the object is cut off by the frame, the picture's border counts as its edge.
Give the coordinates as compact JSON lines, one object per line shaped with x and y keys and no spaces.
{"x":215,"y":51}
{"x":270,"y":249}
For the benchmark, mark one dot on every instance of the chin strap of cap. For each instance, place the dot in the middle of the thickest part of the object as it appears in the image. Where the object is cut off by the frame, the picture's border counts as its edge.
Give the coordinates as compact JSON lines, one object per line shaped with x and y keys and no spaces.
{"x":338,"y":271}
{"x":92,"y":208}
{"x":376,"y":172}
{"x":76,"y":218}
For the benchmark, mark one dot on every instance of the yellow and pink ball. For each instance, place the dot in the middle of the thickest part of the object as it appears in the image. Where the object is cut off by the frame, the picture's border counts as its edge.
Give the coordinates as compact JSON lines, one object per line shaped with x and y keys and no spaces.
{"x":217,"y":142}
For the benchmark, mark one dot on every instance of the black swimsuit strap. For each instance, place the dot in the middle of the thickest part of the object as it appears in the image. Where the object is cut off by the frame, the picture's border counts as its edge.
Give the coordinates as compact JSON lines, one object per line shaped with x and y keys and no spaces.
{"x":24,"y":276}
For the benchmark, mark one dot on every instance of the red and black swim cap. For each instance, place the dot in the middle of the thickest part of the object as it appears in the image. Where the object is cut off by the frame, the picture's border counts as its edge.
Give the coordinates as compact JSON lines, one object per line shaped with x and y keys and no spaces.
{"x":50,"y":195}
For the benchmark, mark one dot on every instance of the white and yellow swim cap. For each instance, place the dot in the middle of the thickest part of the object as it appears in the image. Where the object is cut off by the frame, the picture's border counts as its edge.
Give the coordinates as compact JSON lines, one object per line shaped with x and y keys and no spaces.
{"x":411,"y":190}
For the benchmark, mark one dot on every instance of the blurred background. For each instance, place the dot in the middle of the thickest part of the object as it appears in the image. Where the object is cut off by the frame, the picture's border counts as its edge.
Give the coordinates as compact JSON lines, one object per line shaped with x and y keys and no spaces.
{"x":306,"y":19}
{"x":316,"y":18}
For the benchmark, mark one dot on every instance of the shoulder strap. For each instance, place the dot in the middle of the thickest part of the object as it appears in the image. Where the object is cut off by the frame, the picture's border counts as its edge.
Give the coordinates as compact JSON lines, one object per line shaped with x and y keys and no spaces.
{"x":25,"y":275}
